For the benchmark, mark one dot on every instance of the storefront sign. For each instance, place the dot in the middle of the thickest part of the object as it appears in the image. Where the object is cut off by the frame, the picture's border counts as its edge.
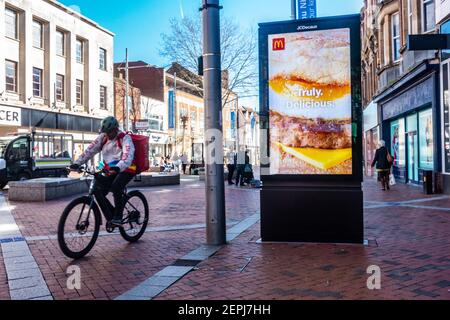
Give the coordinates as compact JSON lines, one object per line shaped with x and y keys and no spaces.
{"x":158,"y":138}
{"x":310,"y":105}
{"x":142,"y":125}
{"x":417,"y":96}
{"x":10,"y":116}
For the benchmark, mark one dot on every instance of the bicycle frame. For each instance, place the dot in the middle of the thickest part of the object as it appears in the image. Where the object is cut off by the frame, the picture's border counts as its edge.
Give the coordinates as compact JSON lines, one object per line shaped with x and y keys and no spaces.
{"x":101,"y":200}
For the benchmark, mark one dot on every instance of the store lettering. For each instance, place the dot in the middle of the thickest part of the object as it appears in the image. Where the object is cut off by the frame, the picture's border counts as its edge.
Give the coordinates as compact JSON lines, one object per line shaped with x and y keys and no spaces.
{"x":10,"y":116}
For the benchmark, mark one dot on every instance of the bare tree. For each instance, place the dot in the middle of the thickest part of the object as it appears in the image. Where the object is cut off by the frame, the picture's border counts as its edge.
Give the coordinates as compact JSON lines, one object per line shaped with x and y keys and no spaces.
{"x":183,"y":44}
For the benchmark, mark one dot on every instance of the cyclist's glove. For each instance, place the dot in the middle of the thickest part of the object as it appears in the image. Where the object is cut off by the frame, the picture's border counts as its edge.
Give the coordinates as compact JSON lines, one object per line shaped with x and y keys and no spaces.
{"x":114,"y":170}
{"x":74,"y":167}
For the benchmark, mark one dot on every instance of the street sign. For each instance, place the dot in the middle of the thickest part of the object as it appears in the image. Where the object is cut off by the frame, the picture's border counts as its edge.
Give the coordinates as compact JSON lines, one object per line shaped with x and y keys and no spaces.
{"x":307,"y":9}
{"x":428,"y":42}
{"x":141,"y":125}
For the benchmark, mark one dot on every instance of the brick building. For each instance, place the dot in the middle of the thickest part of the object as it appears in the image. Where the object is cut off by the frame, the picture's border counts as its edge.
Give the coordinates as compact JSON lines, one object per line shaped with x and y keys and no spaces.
{"x":119,"y":103}
{"x":401,"y":87}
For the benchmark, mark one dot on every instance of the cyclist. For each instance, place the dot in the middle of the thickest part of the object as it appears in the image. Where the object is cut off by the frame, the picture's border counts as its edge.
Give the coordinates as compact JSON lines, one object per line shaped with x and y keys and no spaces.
{"x":117,"y":149}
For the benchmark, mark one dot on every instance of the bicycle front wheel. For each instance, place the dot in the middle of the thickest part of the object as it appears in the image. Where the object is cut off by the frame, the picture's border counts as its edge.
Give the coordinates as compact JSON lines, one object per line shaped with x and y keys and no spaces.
{"x":135,"y":217}
{"x":79,"y":227}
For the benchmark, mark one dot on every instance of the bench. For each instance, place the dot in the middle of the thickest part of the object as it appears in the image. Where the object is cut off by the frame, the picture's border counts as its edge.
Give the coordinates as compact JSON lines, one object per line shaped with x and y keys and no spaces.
{"x":45,"y":189}
{"x":148,"y":179}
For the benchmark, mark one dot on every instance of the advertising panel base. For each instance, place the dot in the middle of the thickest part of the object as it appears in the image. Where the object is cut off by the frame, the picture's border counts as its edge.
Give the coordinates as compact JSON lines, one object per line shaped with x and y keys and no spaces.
{"x":331,"y":215}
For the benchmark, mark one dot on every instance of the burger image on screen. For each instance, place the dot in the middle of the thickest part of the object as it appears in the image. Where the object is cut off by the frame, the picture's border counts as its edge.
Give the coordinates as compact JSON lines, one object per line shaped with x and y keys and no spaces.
{"x":310,"y":102}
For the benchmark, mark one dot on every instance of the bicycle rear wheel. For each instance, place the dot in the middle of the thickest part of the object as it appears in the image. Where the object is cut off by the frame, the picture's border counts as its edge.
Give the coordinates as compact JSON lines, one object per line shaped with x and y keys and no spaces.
{"x":135,"y":217}
{"x":76,"y":233}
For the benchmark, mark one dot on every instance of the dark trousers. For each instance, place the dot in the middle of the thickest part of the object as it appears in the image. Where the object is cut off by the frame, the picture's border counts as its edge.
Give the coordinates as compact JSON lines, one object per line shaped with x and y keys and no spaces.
{"x":231,"y":168}
{"x":240,"y":175}
{"x":114,"y":183}
{"x":184,"y":167}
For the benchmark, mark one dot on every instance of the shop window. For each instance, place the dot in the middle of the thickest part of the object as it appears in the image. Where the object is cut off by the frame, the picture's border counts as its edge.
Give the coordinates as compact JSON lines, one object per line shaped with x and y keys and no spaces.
{"x":446,"y":121}
{"x":426,"y":140}
{"x":398,"y":142}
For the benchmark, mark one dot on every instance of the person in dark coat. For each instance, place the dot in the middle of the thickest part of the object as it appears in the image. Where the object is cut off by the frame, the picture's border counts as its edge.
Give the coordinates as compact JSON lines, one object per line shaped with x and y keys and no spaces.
{"x":383,"y":165}
{"x":242,"y":159}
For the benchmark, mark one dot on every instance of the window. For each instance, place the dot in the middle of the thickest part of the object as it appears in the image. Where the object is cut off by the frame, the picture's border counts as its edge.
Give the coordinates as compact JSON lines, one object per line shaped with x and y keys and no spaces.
{"x":79,"y":92}
{"x":59,"y":87}
{"x":37,"y":34}
{"x":428,"y":15}
{"x":395,"y":37}
{"x":103,"y":97}
{"x":102,"y":59}
{"x":410,"y":17}
{"x":79,"y":51}
{"x":60,"y":43}
{"x":156,"y":122}
{"x":10,"y":23}
{"x":445,"y":114}
{"x":37,"y":82}
{"x":11,"y":75}
{"x":426,"y":158}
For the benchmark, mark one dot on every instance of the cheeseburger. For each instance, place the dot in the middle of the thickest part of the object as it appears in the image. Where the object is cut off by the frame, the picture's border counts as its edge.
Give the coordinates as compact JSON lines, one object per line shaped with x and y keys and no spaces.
{"x":310,"y":102}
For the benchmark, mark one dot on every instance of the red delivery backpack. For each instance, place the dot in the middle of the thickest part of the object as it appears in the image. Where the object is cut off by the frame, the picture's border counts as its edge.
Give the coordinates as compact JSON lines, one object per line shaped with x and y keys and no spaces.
{"x":141,"y":149}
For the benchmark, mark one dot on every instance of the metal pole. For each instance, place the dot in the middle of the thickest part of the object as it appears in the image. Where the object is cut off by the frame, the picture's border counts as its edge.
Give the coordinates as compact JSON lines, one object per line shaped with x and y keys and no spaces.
{"x":125,"y":121}
{"x":215,"y":193}
{"x":293,"y":9}
{"x":175,"y":109}
{"x":237,"y":126}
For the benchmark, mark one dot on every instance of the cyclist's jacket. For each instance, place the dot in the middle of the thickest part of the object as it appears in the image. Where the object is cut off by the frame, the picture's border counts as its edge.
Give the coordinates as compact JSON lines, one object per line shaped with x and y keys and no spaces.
{"x":118,"y":152}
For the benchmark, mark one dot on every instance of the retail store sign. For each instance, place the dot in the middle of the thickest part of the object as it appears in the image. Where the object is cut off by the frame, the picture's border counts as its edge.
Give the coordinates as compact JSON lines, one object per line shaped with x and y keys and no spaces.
{"x":10,"y":116}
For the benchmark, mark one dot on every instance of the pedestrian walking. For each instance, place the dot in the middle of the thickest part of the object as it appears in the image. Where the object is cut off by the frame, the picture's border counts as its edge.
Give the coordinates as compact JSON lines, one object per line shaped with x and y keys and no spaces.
{"x":184,"y":162}
{"x":231,"y":166}
{"x":383,"y":161}
{"x":242,"y":159}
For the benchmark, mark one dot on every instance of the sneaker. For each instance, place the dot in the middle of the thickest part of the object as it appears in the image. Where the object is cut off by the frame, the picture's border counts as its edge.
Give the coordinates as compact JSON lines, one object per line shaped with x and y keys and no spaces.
{"x":116,"y":222}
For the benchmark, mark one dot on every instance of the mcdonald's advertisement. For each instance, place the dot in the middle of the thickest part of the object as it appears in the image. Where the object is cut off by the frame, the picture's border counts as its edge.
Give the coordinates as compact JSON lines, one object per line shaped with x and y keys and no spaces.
{"x":310,"y":102}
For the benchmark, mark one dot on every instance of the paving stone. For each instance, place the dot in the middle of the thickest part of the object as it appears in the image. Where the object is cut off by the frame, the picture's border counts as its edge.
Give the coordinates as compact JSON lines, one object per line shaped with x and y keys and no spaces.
{"x":159,"y":281}
{"x":145,"y":291}
{"x":29,"y":293}
{"x":443,"y":284}
{"x":173,"y":271}
{"x":13,"y":266}
{"x":14,"y":246}
{"x":20,"y":274}
{"x":26,"y":283}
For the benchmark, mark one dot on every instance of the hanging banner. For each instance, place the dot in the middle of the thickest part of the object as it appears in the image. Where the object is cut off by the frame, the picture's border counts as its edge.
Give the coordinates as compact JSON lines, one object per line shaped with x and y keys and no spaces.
{"x":307,"y":9}
{"x":171,"y":109}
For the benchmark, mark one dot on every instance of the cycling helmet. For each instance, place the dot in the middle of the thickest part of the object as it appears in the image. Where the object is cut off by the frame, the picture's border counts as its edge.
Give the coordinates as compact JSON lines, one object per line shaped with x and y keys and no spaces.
{"x":108,"y":124}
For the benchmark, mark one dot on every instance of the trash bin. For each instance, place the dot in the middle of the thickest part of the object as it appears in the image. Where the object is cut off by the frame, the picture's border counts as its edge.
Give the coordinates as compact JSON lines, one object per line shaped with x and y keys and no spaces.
{"x":427,"y":181}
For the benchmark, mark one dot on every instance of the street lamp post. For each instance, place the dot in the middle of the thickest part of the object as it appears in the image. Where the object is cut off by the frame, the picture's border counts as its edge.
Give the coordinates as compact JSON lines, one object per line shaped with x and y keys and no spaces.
{"x":127,"y":111}
{"x":215,"y":189}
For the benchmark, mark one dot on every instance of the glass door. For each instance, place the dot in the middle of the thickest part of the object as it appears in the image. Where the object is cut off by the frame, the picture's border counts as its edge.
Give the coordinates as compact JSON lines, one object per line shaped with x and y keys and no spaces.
{"x":413,"y":148}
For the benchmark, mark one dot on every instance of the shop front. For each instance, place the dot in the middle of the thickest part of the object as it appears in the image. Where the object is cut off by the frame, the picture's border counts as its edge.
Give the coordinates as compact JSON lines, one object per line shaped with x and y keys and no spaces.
{"x":371,"y":137}
{"x":158,"y":147}
{"x":79,"y":130}
{"x":410,"y":126}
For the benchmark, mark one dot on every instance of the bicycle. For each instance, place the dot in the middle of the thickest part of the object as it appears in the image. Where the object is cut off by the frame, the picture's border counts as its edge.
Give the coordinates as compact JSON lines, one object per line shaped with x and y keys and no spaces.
{"x":134,"y":221}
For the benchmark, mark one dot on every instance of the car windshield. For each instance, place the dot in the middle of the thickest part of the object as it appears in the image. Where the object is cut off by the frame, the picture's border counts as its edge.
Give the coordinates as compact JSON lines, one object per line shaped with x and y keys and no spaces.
{"x":3,"y":143}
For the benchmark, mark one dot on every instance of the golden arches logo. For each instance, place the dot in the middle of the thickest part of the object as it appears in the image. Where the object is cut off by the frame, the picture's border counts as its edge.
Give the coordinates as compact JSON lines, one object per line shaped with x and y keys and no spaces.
{"x":278,"y":44}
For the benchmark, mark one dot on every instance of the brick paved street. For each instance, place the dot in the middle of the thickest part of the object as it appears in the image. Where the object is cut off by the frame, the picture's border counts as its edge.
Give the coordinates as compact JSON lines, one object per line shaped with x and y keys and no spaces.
{"x":410,"y":241}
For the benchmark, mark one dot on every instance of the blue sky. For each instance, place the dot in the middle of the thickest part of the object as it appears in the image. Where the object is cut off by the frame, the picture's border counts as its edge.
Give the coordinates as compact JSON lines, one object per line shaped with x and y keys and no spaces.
{"x":138,"y":24}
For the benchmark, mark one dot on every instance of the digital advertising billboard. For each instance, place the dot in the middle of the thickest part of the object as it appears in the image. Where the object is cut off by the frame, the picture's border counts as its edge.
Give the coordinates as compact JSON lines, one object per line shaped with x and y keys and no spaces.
{"x":310,"y":98}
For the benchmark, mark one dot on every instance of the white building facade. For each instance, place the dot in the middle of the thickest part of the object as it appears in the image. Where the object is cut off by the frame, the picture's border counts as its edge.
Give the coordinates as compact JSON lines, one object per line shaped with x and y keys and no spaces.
{"x":155,"y":114}
{"x":54,"y":64}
